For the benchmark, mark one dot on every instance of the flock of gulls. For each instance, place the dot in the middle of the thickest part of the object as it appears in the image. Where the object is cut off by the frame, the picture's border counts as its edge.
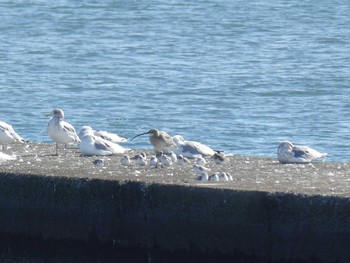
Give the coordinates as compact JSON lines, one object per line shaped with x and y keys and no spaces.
{"x":168,"y":150}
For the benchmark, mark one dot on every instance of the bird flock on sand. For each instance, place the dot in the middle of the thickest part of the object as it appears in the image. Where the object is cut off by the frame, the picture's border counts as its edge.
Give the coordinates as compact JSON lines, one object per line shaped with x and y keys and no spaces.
{"x":168,"y":150}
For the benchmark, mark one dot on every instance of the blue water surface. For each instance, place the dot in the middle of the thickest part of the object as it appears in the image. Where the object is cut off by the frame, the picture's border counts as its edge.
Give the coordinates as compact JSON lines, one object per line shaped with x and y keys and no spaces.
{"x":239,"y":76}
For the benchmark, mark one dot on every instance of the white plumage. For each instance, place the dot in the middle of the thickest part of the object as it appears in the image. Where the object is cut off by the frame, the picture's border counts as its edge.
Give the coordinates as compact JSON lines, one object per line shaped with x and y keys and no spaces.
{"x":92,"y":145}
{"x":153,"y":161}
{"x":125,"y":160}
{"x":289,"y":153}
{"x":164,"y":159}
{"x":140,"y":159}
{"x":61,"y":131}
{"x":8,"y":134}
{"x":191,"y":149}
{"x":214,"y":178}
{"x":112,"y":137}
{"x":204,"y":177}
{"x":5,"y":157}
{"x":182,"y":160}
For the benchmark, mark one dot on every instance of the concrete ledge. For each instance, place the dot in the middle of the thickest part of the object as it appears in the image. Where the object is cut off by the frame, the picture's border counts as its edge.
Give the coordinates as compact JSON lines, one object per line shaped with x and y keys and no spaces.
{"x":268,"y":213}
{"x":271,"y":227}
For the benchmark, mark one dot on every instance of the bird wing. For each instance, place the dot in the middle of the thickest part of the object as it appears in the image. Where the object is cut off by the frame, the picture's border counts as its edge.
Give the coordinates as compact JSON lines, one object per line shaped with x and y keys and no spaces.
{"x":167,"y":138}
{"x":67,"y":127}
{"x":70,"y":131}
{"x":304,"y":152}
{"x":3,"y":126}
{"x":103,"y":145}
{"x":110,"y":136}
{"x":201,"y":148}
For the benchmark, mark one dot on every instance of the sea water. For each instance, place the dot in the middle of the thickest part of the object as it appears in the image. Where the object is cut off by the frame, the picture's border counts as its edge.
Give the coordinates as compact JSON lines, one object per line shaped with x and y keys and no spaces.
{"x":239,"y":76}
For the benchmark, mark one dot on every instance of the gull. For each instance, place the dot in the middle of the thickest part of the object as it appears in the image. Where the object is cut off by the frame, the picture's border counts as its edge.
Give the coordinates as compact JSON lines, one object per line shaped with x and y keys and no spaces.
{"x":289,"y":153}
{"x":112,"y":137}
{"x":92,"y":145}
{"x":160,"y":140}
{"x":191,"y":149}
{"x":8,"y":134}
{"x":5,"y":157}
{"x":61,"y":131}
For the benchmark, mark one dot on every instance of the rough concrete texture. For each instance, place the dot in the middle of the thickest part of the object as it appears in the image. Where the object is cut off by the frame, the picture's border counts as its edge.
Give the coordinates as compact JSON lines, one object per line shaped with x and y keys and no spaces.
{"x":270,"y":212}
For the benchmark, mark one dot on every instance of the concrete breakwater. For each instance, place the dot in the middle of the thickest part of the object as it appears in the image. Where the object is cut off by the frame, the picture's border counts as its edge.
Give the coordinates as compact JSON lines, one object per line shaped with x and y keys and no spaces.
{"x":268,"y":213}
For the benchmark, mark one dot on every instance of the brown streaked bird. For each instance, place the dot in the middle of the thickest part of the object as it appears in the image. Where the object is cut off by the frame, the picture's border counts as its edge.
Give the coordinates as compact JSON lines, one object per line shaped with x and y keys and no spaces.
{"x":161,"y":141}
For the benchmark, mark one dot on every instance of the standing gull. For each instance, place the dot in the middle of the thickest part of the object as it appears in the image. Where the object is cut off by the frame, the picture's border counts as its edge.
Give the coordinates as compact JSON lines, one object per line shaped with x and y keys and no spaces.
{"x":8,"y":134}
{"x":289,"y":153}
{"x":92,"y":145}
{"x":112,"y":137}
{"x":160,"y":140}
{"x":61,"y":131}
{"x":191,"y":149}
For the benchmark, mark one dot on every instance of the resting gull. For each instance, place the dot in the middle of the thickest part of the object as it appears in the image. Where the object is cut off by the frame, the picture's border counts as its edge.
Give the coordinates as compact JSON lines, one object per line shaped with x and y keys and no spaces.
{"x":93,"y":145}
{"x":289,"y":153}
{"x":112,"y":137}
{"x":191,"y":149}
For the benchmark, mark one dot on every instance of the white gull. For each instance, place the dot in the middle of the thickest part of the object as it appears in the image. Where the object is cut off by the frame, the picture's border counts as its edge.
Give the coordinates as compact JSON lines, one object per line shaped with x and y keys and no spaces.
{"x":92,"y":145}
{"x":191,"y":149}
{"x":61,"y":131}
{"x":112,"y":137}
{"x":289,"y":153}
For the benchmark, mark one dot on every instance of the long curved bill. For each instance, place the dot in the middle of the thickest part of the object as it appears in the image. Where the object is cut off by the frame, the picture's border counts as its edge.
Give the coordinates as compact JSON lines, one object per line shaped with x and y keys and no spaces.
{"x":139,"y":135}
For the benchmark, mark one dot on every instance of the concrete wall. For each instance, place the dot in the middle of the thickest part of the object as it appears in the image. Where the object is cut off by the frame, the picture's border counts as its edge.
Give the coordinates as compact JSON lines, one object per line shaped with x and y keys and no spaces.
{"x":271,"y":227}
